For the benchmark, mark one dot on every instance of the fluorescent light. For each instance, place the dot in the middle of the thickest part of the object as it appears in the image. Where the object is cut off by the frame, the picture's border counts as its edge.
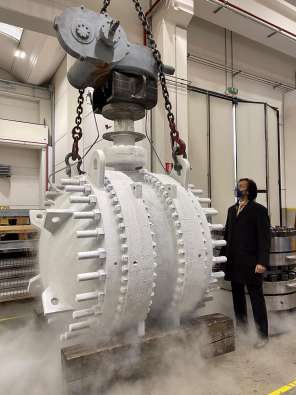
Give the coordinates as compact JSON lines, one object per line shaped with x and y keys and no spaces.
{"x":20,"y":54}
{"x":11,"y":31}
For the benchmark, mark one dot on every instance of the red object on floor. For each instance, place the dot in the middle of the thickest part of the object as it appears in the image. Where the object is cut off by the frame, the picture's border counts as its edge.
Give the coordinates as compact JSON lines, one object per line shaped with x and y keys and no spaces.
{"x":168,"y":167}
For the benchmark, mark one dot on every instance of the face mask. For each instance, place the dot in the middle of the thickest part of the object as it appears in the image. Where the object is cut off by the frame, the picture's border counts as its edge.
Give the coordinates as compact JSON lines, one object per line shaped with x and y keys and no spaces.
{"x":238,"y":193}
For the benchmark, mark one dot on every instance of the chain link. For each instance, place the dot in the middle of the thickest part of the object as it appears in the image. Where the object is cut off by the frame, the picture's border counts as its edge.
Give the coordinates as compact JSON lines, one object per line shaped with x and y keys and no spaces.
{"x":77,"y":131}
{"x":106,"y":4}
{"x":76,"y":135}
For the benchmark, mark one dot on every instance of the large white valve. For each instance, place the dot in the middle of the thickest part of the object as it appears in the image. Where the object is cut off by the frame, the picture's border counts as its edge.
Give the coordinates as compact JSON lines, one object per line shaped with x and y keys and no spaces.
{"x":121,"y":245}
{"x":118,"y":247}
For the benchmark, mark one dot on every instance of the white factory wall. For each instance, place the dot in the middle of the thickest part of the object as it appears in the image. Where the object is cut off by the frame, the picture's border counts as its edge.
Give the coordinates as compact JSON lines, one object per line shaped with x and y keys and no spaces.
{"x":59,"y":83}
{"x":206,"y":40}
{"x":24,"y":110}
{"x":22,"y":189}
{"x":17,"y":108}
{"x":25,"y":103}
{"x":290,"y":153}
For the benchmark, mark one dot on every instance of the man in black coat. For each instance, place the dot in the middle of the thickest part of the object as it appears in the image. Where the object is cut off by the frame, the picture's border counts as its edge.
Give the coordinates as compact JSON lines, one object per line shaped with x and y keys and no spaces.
{"x":247,"y":233}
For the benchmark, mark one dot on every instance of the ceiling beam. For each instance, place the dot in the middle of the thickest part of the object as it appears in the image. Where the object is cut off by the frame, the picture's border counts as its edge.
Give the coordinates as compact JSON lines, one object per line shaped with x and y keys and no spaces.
{"x":37,"y":15}
{"x":29,"y":15}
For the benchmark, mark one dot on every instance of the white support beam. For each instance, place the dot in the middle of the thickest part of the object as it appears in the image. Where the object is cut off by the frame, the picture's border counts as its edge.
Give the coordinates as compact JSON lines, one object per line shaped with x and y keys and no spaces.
{"x":43,"y":170}
{"x":181,"y":91}
{"x":170,"y":30}
{"x":38,"y":15}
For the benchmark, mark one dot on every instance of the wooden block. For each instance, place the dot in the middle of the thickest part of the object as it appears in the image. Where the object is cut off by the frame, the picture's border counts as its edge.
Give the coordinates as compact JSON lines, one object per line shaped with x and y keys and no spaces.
{"x":220,"y":347}
{"x":18,"y":229}
{"x":22,"y":220}
{"x":8,"y":220}
{"x":208,"y":336}
{"x":72,"y":363}
{"x":217,"y":326}
{"x":16,"y":298}
{"x":23,"y":236}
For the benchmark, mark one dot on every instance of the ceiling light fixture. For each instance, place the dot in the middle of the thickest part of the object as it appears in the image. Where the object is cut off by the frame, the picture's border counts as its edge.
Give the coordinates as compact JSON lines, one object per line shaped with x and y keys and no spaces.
{"x":20,"y":54}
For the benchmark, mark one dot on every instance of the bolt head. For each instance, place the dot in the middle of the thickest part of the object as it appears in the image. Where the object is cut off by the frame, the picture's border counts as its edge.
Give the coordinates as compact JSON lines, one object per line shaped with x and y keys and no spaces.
{"x":124,"y":258}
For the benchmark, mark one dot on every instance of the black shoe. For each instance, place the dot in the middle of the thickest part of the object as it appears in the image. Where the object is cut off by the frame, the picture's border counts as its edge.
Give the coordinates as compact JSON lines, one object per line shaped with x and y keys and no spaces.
{"x":261,"y":343}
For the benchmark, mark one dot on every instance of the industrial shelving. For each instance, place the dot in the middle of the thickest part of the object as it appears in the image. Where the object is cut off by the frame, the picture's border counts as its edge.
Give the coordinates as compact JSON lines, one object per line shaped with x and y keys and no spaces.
{"x":18,"y":254}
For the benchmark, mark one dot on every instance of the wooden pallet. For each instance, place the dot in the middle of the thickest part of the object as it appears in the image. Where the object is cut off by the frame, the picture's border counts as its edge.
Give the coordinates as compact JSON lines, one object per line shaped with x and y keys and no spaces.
{"x":210,"y":336}
{"x":18,"y":298}
{"x":20,"y":232}
{"x":17,"y":243}
{"x":14,"y":220}
{"x":17,"y":229}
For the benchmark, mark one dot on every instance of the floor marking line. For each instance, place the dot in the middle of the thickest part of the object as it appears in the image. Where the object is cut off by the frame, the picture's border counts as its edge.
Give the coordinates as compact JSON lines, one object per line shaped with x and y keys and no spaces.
{"x":14,"y":317}
{"x":282,"y":390}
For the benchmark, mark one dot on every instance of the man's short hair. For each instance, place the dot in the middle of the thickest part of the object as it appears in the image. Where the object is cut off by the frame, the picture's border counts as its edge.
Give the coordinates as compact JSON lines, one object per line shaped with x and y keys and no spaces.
{"x":252,"y":188}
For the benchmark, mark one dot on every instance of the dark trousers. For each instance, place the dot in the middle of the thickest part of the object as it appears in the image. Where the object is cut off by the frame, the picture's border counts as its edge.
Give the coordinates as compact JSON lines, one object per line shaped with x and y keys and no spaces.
{"x":258,"y":306}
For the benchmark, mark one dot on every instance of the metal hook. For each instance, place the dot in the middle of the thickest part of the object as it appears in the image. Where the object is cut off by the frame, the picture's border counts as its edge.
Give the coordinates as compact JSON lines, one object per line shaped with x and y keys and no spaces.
{"x":177,"y":164}
{"x":68,"y":166}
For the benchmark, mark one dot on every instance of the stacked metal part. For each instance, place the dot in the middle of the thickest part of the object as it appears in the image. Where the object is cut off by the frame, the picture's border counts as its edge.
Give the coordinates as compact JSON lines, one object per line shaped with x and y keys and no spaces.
{"x":5,"y":170}
{"x":118,"y":248}
{"x":17,"y":265}
{"x":280,"y":280}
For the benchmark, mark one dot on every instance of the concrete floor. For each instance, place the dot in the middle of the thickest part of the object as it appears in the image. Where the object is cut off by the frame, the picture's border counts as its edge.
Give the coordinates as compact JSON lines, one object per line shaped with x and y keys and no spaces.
{"x":30,"y":361}
{"x":243,"y":372}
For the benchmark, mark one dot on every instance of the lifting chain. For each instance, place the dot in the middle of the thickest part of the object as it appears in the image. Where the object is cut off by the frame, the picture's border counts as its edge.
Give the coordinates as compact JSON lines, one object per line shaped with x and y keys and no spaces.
{"x":76,"y":135}
{"x":178,"y":145}
{"x":106,"y":4}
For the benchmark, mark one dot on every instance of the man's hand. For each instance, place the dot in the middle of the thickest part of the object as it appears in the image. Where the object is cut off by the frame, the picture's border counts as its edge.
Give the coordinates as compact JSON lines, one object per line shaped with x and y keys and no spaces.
{"x":260,"y":269}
